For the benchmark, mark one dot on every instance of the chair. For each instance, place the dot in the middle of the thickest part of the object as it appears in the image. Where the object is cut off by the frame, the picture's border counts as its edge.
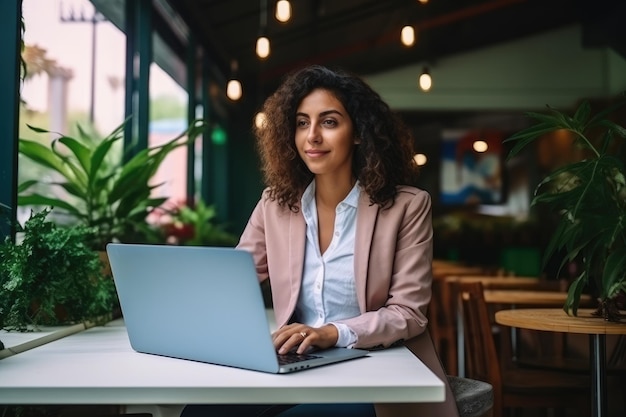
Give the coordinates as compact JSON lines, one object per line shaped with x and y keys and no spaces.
{"x":448,"y":297}
{"x":441,"y":319}
{"x":513,"y":387}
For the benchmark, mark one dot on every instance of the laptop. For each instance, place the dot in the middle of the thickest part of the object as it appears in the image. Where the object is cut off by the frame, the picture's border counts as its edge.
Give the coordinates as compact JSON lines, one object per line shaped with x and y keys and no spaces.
{"x":202,"y":304}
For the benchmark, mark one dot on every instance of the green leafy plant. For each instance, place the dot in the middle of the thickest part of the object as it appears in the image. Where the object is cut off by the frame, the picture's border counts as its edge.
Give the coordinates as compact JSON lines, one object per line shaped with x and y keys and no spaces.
{"x":52,"y":277}
{"x":95,"y":187}
{"x":589,"y":196}
{"x":194,"y":225}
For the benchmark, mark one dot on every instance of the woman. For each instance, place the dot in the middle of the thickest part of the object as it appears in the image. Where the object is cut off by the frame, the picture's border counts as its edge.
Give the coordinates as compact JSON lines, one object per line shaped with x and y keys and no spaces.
{"x":344,"y":238}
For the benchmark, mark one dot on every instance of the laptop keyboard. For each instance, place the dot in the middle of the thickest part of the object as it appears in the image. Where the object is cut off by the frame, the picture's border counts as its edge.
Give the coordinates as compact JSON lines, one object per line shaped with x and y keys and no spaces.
{"x":288,"y":358}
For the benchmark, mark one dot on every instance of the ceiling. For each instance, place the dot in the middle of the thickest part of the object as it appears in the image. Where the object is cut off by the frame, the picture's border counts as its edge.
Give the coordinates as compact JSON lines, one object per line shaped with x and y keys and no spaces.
{"x":363,"y":36}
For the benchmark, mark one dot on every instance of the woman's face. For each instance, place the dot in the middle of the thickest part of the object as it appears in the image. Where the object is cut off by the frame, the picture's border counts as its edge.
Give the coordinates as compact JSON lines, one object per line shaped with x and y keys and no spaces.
{"x":325,"y":135}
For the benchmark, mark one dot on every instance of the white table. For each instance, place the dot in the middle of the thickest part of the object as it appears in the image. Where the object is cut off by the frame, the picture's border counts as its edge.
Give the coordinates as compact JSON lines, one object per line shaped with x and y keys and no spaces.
{"x":17,"y":342}
{"x":98,"y":366}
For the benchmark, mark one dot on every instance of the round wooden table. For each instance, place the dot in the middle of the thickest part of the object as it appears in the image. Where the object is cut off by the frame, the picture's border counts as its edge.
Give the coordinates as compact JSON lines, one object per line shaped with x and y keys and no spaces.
{"x":556,"y":320}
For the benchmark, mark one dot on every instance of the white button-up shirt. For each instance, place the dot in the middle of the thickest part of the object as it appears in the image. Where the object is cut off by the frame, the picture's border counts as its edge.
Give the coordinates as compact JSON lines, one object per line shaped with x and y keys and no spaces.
{"x":328,"y":290}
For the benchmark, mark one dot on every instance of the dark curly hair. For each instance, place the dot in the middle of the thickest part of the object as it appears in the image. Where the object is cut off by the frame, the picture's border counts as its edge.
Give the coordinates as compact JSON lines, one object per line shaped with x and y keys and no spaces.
{"x":383,"y":159}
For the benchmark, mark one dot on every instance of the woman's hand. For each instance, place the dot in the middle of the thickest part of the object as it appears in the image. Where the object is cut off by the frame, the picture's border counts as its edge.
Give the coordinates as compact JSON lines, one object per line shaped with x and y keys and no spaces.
{"x":304,"y":338}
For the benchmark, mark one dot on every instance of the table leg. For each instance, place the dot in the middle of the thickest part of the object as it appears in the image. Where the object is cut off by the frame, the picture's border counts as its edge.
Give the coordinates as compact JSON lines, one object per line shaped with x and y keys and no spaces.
{"x":597,"y":356}
{"x":460,"y":339}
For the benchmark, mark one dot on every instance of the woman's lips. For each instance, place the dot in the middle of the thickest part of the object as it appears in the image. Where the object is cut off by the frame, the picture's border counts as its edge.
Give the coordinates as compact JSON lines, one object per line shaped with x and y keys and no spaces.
{"x":315,"y":153}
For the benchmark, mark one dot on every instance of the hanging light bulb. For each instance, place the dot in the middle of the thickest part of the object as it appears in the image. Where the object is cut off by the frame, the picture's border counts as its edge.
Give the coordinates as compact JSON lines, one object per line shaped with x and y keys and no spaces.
{"x":480,"y":146}
{"x":420,"y":159}
{"x":262,"y":46}
{"x":422,"y":1}
{"x":407,"y":36}
{"x":234,"y":91}
{"x":425,"y":80}
{"x":283,"y":11}
{"x":259,"y":120}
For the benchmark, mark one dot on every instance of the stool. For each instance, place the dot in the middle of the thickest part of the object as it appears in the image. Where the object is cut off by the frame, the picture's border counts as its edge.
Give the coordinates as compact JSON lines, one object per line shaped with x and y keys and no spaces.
{"x":473,"y":398}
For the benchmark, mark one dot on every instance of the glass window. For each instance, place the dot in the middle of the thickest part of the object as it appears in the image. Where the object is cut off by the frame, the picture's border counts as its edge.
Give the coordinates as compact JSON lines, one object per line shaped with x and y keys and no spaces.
{"x":168,"y":119}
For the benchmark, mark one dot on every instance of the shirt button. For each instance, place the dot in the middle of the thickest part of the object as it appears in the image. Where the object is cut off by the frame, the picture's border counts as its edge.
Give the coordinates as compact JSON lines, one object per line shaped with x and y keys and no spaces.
{"x":336,"y":233}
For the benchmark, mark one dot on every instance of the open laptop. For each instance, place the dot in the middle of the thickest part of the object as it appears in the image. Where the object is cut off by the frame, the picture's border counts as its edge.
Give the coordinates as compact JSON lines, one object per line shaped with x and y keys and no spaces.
{"x":203,"y":304}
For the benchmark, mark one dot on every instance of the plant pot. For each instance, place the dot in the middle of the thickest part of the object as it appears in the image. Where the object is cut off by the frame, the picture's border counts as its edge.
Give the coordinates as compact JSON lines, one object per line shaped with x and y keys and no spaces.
{"x":106,"y":265}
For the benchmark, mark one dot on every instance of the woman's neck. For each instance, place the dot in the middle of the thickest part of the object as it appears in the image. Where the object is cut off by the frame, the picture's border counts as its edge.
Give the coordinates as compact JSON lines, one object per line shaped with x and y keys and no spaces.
{"x":329,"y":192}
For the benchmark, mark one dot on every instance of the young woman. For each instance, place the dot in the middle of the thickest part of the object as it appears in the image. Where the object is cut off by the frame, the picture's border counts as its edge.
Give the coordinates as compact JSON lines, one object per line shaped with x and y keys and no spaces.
{"x":340,"y":231}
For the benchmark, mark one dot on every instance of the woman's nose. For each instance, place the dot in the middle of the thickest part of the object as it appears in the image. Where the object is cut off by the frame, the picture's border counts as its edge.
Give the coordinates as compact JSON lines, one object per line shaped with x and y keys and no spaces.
{"x":314,"y":134}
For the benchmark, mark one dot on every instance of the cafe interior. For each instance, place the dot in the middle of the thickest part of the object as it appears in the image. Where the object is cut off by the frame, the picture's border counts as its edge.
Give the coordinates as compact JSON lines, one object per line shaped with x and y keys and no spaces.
{"x":463,"y":75}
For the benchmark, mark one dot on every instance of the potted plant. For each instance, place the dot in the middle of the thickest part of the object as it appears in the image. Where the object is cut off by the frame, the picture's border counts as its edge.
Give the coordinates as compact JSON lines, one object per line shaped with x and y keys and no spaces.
{"x":93,"y":186}
{"x":193,"y":225}
{"x":51,"y":277}
{"x":589,"y":197}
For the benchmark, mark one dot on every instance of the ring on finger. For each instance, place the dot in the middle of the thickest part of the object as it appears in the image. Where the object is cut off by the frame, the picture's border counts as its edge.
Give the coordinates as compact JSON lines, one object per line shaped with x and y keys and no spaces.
{"x":303,"y":334}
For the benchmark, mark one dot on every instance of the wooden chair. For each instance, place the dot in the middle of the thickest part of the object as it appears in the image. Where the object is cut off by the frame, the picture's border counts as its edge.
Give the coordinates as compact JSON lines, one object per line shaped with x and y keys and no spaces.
{"x":441,"y":318}
{"x":444,"y":309}
{"x":514,"y":387}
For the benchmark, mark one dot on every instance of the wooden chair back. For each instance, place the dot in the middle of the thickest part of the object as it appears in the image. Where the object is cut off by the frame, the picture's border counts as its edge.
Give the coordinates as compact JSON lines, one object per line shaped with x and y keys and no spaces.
{"x":482,"y":361}
{"x":441,"y":315}
{"x":513,"y":387}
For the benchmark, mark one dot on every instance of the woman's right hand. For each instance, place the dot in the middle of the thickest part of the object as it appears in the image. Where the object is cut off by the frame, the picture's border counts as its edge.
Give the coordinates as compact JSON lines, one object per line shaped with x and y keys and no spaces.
{"x":302,"y":338}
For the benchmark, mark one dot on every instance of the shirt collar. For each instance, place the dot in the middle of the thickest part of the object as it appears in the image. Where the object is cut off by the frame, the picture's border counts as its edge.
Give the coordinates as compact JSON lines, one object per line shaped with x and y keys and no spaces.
{"x":352,"y":199}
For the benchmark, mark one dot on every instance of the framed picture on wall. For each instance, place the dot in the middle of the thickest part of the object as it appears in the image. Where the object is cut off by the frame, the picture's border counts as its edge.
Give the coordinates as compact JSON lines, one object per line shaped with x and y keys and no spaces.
{"x":471,"y":167}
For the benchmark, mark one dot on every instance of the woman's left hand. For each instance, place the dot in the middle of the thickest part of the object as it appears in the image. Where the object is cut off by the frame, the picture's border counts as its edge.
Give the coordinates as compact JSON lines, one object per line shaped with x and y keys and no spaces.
{"x":297,"y":335}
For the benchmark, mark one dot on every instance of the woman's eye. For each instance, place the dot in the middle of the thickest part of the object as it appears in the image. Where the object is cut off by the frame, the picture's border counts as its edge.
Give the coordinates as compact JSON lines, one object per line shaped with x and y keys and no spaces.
{"x":300,"y":123}
{"x":329,"y":122}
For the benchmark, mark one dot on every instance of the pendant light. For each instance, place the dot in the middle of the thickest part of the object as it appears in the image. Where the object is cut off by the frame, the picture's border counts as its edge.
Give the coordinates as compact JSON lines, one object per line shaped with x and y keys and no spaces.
{"x":425,"y":80}
{"x":262,"y":46}
{"x":259,"y":120}
{"x":234,"y":91}
{"x":283,"y":11}
{"x":263,"y":42}
{"x":407,"y":36}
{"x":420,"y":159}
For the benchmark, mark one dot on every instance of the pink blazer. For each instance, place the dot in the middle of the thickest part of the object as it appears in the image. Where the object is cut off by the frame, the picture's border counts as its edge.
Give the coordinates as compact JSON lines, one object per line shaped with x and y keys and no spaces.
{"x":392,"y":263}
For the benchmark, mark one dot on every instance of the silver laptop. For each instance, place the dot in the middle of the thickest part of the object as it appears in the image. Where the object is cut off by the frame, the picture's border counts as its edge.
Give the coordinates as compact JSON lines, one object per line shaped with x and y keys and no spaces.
{"x":203,"y":304}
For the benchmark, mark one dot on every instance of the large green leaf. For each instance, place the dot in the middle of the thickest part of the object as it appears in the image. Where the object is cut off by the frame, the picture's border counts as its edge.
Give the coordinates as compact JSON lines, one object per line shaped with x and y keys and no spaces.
{"x":573,"y":294}
{"x":583,"y":112}
{"x":614,"y":271}
{"x":26,"y":185}
{"x":614,"y":127}
{"x":98,"y":160}
{"x":43,"y":156}
{"x":80,"y":151}
{"x":41,"y":200}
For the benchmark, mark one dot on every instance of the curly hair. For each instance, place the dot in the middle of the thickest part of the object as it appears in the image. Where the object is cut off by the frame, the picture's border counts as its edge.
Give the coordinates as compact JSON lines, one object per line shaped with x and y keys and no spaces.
{"x":382,"y":160}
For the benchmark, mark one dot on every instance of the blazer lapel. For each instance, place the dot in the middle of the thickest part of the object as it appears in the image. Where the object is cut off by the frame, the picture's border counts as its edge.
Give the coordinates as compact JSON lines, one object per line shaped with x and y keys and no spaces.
{"x":367,"y":213}
{"x":297,"y":241}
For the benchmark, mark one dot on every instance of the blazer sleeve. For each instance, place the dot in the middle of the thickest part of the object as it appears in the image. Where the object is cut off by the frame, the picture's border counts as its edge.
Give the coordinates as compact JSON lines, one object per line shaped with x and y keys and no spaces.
{"x":399,"y":273}
{"x":253,"y":240}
